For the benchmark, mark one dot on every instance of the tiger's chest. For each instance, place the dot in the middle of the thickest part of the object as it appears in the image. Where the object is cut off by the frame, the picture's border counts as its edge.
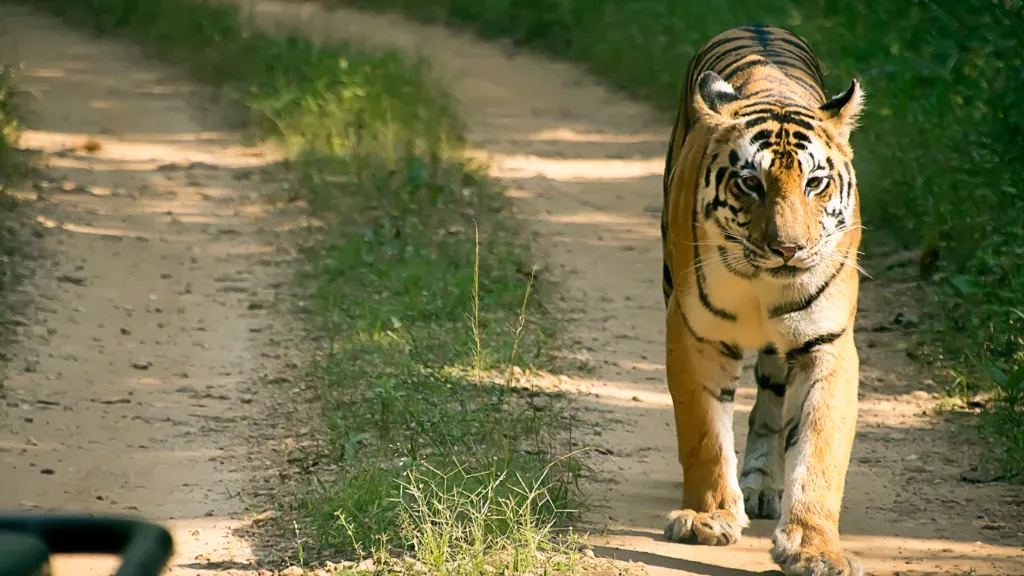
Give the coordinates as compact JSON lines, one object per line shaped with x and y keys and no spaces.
{"x":754,"y":313}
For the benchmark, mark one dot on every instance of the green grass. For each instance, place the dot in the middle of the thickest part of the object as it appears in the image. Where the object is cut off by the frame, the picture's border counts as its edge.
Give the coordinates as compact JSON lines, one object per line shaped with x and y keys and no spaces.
{"x":437,"y":449}
{"x":939,"y":154}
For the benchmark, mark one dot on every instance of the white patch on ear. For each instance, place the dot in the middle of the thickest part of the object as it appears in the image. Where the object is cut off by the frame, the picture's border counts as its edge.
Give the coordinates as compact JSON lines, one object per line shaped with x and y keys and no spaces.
{"x":712,"y":94}
{"x":844,"y":110}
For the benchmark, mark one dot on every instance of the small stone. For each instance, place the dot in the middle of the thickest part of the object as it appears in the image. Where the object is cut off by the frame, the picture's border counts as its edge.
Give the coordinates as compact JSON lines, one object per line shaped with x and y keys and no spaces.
{"x":73,"y":278}
{"x":142,"y":364}
{"x":125,"y":331}
{"x":47,"y":471}
{"x":31,"y":364}
{"x":292,"y":571}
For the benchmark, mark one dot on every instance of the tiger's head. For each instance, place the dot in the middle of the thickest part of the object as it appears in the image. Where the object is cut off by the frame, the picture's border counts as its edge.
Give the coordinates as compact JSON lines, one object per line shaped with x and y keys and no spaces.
{"x":777,"y":192}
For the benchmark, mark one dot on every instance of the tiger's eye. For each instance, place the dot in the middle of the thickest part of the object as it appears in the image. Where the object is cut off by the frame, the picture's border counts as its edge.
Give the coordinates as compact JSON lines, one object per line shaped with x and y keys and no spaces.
{"x":816,"y":183}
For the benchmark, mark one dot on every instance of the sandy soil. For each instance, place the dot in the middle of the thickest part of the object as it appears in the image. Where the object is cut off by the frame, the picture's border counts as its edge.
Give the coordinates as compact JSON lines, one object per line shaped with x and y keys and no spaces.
{"x":585,"y":165}
{"x":140,"y":384}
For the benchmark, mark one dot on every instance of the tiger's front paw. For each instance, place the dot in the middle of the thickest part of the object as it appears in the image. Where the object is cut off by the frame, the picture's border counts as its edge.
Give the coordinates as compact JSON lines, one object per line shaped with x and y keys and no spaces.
{"x":718,"y":528}
{"x":798,"y":557}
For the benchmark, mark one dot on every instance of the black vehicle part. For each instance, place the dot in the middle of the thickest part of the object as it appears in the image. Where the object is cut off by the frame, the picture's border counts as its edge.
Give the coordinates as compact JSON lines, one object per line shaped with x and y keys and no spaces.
{"x":27,"y":540}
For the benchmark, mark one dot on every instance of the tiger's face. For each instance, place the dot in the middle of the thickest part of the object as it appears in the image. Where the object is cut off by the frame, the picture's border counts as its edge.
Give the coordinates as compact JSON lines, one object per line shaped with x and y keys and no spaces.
{"x":778,"y":190}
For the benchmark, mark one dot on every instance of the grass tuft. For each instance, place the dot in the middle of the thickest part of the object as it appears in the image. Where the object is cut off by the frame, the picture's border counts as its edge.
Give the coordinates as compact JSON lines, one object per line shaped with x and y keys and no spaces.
{"x":438,"y":450}
{"x":938,"y":154}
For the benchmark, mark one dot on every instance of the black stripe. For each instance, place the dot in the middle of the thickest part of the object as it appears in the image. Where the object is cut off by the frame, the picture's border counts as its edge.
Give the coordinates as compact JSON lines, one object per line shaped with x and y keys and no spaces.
{"x":764,"y":382}
{"x":760,"y":136}
{"x":725,"y":395}
{"x":701,"y":339}
{"x":731,"y":351}
{"x":799,"y":45}
{"x":716,"y":60}
{"x":714,"y":45}
{"x":789,"y":62}
{"x":729,"y":73}
{"x":772,"y":107}
{"x":801,"y":305}
{"x":719,"y":177}
{"x":699,"y":274}
{"x":666,"y":281}
{"x":849,"y":182}
{"x":761,"y":119}
{"x":723,"y":253}
{"x":812,"y":88}
{"x":703,"y":295}
{"x":809,"y":346}
{"x":792,"y":433}
{"x":807,"y":62}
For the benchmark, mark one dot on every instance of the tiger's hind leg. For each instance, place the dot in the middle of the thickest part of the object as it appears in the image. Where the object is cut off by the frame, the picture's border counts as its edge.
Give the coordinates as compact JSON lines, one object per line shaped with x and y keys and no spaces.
{"x":702,"y":379}
{"x":763,"y":470}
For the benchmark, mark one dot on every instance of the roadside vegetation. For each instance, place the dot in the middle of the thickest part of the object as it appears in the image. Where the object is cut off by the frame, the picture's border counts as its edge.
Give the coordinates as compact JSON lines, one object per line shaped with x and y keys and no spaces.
{"x":12,"y":238}
{"x":939,"y":154}
{"x":422,"y":287}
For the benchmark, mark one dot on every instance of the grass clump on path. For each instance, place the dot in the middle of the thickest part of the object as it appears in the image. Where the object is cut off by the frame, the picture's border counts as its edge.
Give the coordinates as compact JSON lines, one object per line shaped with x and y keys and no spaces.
{"x":939,"y":153}
{"x":434,"y":455}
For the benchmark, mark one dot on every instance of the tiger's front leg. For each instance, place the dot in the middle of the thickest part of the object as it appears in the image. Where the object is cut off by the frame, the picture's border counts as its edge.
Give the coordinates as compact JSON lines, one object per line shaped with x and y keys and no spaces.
{"x":702,"y":378}
{"x":819,"y":423}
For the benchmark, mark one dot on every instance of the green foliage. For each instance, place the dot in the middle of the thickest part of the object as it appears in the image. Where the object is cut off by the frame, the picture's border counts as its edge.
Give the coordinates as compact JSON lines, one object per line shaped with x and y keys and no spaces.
{"x":939,"y":153}
{"x":429,"y":452}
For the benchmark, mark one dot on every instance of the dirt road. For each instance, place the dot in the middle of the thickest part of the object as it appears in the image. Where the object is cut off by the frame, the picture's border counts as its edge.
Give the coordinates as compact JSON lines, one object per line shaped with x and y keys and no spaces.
{"x":136,"y":388}
{"x":585,"y":164}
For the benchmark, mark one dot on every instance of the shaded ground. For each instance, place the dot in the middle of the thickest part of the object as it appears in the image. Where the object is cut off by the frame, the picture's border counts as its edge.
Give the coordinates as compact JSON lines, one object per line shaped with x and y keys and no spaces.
{"x":139,"y":384}
{"x":585,"y":164}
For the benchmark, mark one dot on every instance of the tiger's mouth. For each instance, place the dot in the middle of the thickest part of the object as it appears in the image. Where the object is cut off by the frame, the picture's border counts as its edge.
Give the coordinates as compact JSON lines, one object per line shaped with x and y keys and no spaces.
{"x":770,"y":266}
{"x":786,"y":270}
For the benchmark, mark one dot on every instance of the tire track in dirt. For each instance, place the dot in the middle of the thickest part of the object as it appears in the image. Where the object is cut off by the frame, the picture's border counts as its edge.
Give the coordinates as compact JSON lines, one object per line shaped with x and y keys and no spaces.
{"x":137,"y":387}
{"x":585,"y":165}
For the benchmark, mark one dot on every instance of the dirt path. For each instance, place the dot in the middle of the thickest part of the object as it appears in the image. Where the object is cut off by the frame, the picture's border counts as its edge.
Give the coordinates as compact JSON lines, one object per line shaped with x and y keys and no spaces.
{"x":585,"y":164}
{"x":136,"y":386}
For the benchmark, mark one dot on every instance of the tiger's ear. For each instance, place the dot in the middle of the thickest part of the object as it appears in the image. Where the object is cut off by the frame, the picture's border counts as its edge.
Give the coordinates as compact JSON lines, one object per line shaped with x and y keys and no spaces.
{"x":712,"y":95}
{"x":844,"y":110}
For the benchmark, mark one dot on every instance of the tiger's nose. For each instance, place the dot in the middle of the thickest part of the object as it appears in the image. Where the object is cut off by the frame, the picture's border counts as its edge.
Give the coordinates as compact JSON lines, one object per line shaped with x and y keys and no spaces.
{"x":785,"y":251}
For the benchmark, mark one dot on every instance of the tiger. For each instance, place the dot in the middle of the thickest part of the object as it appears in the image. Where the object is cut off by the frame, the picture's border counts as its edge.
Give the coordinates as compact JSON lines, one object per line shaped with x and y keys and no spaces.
{"x":761,"y":232}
